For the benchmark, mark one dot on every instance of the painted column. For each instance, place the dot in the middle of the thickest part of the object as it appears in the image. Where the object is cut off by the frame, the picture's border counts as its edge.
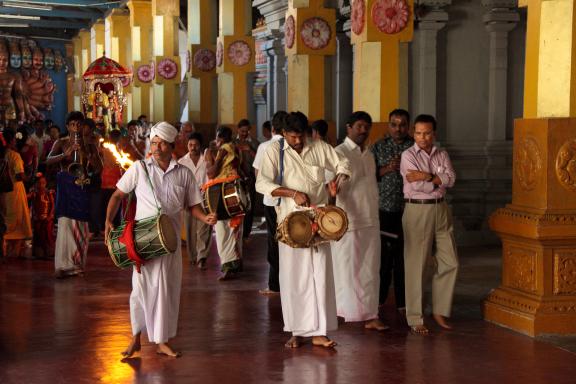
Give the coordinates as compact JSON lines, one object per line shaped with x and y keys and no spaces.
{"x":276,"y":91}
{"x":166,"y":105}
{"x":428,"y":27}
{"x":86,"y":47}
{"x":380,"y":65}
{"x":202,"y":82}
{"x":234,"y":60}
{"x":343,"y":89}
{"x":143,"y":66}
{"x":97,"y":38}
{"x":118,"y":43}
{"x":75,"y":93}
{"x":537,"y":294}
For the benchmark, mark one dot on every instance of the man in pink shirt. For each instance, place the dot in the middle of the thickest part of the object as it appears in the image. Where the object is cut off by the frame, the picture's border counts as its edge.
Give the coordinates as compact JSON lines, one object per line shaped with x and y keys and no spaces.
{"x":427,"y":221}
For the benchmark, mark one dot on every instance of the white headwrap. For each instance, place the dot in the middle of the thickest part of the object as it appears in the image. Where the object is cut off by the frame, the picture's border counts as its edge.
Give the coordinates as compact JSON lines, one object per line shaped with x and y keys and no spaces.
{"x":164,"y":131}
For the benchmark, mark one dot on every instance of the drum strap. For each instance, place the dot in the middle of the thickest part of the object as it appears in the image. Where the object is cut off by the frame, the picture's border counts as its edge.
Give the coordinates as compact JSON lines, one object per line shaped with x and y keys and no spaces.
{"x":150,"y":183}
{"x":281,"y":175}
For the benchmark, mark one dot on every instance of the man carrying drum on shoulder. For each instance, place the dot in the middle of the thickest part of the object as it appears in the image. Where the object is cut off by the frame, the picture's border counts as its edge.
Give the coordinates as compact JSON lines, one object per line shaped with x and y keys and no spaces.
{"x":293,"y":169}
{"x":161,"y":185}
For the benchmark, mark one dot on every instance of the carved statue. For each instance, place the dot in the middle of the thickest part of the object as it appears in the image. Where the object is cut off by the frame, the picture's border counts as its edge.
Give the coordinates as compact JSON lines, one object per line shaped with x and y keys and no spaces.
{"x":15,"y":55}
{"x":38,"y":87}
{"x":11,"y":101}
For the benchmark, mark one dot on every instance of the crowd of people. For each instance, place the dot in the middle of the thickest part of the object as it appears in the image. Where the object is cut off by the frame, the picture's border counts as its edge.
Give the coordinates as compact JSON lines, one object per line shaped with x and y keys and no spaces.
{"x":392,"y":192}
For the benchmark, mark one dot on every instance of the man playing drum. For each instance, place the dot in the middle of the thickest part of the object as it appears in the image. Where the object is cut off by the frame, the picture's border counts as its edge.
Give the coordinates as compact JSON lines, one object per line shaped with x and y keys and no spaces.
{"x":357,"y":255}
{"x":166,"y":186}
{"x":306,"y":279}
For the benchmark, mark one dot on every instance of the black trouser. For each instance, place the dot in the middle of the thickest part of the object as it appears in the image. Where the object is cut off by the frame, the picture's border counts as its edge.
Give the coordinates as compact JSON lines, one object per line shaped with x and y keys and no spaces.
{"x":273,"y":256}
{"x":392,"y":258}
{"x":249,"y":216}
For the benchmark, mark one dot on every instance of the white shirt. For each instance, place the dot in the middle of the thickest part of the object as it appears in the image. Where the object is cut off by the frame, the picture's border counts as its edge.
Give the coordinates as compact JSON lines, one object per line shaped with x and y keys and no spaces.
{"x":359,"y":197}
{"x":198,"y":170}
{"x":268,"y":200}
{"x":39,"y":141}
{"x":303,"y":172}
{"x":174,"y":189}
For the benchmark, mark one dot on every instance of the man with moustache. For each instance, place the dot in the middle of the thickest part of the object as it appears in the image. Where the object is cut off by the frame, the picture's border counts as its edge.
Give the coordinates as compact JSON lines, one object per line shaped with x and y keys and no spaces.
{"x":159,"y":182}
{"x":427,"y":222}
{"x":387,"y":153}
{"x":306,"y":278}
{"x":198,"y":234}
{"x":356,"y":257}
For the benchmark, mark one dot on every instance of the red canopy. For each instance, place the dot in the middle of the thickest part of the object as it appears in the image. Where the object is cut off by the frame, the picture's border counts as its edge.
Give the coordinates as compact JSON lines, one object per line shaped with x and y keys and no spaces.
{"x":105,"y":68}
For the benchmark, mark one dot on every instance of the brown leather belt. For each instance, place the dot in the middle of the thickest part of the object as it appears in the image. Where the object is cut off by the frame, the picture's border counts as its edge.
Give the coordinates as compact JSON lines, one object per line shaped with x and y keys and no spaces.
{"x":426,"y":201}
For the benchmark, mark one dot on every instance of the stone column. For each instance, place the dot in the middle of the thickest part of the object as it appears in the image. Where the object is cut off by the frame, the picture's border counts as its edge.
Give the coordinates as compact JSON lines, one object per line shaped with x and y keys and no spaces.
{"x":166,"y":91}
{"x":276,"y":89}
{"x":538,"y":229}
{"x":97,"y":40}
{"x":428,"y":27}
{"x":141,"y":36}
{"x":76,"y":90}
{"x":86,"y":57}
{"x":343,"y":83}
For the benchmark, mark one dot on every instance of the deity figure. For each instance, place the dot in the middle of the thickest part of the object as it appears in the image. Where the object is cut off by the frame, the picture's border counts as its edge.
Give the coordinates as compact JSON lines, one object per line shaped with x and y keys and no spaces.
{"x":98,"y":106}
{"x":115,"y":109}
{"x":11,"y":101}
{"x":37,"y":59}
{"x":26,"y":56}
{"x":48,"y":58}
{"x":15,"y":55}
{"x":58,"y":61}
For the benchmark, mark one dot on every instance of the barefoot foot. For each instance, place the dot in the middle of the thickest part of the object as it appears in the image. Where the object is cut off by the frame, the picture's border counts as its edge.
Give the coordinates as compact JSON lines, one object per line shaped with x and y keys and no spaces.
{"x":419,"y":329}
{"x":376,"y":324}
{"x":441,"y":320}
{"x":133,"y":347}
{"x":293,"y":342}
{"x":268,"y":292}
{"x":323,"y":341}
{"x":165,"y":349}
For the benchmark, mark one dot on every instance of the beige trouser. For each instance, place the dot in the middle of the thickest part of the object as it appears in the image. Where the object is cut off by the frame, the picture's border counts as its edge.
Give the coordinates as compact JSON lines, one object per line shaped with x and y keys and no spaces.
{"x":198,"y":238}
{"x":425,"y":226}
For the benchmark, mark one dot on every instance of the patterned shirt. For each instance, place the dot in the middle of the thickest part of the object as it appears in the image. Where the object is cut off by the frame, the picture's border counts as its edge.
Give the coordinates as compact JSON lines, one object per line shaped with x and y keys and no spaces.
{"x":391,"y":197}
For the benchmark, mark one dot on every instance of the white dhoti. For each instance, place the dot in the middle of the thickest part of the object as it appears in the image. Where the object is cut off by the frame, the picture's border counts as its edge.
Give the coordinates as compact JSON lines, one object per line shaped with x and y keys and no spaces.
{"x":71,"y":246}
{"x":356,"y":259}
{"x":307,"y":290}
{"x":155,"y":297}
{"x":229,"y":244}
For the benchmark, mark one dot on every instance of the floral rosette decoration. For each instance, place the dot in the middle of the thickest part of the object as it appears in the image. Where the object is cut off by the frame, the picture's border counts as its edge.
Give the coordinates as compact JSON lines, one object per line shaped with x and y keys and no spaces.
{"x":205,"y":60}
{"x":315,"y":33}
{"x":358,"y":16}
{"x":239,"y":53}
{"x":390,"y":16}
{"x":188,"y":60}
{"x":219,"y":54}
{"x":167,"y":68}
{"x":126,"y":81}
{"x":290,"y":31}
{"x":145,"y":73}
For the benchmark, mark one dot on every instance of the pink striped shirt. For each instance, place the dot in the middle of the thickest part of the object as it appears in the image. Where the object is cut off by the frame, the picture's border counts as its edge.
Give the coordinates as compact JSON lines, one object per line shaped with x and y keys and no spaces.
{"x":437,"y":163}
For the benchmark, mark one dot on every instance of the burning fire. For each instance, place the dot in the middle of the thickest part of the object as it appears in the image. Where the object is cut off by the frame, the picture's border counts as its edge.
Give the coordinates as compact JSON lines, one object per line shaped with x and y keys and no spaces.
{"x":121,"y":157}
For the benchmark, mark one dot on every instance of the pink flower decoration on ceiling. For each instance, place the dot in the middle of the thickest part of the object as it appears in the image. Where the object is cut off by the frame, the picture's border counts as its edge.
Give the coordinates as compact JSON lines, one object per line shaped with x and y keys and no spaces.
{"x":289,"y":31}
{"x":358,"y":16}
{"x":219,"y":54}
{"x":167,"y":68}
{"x":205,"y":60}
{"x":315,"y":33}
{"x":390,"y":16}
{"x":239,"y":53}
{"x":145,"y":73}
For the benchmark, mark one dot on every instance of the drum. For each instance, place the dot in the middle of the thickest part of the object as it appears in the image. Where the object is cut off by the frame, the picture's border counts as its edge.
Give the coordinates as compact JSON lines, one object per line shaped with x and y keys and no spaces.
{"x":153,"y":237}
{"x":296,"y":230}
{"x":332,"y":222}
{"x":227,"y":200}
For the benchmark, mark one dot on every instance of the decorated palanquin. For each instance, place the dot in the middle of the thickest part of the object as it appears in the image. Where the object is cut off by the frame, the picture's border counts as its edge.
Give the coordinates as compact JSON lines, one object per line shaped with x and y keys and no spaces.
{"x":103,"y":97}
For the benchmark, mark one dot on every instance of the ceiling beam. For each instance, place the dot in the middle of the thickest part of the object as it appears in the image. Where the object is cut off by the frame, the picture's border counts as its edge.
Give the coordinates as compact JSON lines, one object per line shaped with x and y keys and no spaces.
{"x":56,"y":24}
{"x":92,"y":15}
{"x":75,"y":3}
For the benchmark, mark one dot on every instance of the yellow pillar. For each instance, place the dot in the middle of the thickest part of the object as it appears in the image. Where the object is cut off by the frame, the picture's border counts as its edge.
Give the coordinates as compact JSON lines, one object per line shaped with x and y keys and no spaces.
{"x":97,"y":38}
{"x":166,"y":104}
{"x":538,"y":229}
{"x":75,"y":93}
{"x":202,"y":83}
{"x":141,"y":36}
{"x":118,"y":43}
{"x":310,"y":37}
{"x":234,"y":60}
{"x":86,"y":57}
{"x":379,"y":68}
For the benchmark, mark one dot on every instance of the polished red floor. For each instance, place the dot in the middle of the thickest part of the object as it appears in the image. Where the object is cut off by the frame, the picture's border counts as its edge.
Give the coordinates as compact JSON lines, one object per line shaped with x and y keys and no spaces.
{"x":72,"y":331}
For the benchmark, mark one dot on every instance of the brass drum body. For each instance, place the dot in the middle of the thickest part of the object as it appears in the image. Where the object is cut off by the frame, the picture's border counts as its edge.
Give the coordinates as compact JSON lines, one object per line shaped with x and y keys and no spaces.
{"x":332,"y":222}
{"x":227,"y":200}
{"x":296,"y":230}
{"x":153,"y":237}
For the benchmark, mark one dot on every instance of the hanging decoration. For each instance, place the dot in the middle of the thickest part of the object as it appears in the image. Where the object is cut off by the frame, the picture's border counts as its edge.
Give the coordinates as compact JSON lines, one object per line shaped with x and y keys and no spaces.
{"x":219,"y":54}
{"x":167,"y":69}
{"x":358,"y":16}
{"x":239,"y":53}
{"x":289,"y":31}
{"x":205,"y":60}
{"x":315,"y":33}
{"x":390,"y":16}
